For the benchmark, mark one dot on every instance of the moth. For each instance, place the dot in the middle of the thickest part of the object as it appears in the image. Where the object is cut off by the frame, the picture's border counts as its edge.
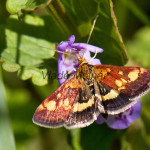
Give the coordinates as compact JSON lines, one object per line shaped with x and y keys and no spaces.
{"x":90,"y":91}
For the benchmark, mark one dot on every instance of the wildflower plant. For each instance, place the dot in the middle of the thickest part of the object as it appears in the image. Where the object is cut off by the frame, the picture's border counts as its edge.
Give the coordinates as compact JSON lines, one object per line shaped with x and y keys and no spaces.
{"x":26,"y":27}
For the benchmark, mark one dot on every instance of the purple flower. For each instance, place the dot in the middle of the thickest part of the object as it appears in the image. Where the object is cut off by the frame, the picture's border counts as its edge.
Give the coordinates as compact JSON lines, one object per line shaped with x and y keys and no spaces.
{"x":66,"y":62}
{"x":122,"y":120}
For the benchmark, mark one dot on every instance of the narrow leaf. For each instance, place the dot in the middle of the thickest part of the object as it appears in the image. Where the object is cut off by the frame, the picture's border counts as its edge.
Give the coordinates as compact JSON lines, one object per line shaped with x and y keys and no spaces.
{"x":6,"y":134}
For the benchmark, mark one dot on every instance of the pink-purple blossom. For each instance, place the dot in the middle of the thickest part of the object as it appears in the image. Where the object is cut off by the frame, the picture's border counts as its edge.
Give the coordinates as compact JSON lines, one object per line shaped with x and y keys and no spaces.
{"x":122,"y":120}
{"x":67,"y":62}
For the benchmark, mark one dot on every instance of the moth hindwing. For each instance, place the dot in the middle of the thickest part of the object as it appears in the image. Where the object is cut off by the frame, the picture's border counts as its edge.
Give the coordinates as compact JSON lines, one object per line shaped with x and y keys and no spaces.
{"x":93,"y":89}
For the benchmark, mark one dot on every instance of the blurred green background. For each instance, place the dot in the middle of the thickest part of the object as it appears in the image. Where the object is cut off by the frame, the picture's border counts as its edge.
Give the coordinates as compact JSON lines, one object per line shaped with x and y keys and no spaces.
{"x":28,"y":26}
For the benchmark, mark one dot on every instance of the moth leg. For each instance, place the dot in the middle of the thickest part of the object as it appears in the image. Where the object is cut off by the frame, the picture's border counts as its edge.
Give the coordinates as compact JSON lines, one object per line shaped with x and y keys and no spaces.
{"x":73,"y":69}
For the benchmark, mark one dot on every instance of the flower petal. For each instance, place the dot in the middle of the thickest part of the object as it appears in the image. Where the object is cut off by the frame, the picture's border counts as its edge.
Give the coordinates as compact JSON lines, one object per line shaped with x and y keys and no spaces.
{"x":100,"y":119}
{"x":62,"y":46}
{"x":95,"y":62}
{"x":135,"y":113}
{"x":88,"y":58}
{"x":87,"y":47}
{"x":68,"y":60}
{"x":123,"y":120}
{"x":63,"y":68}
{"x":71,"y":39}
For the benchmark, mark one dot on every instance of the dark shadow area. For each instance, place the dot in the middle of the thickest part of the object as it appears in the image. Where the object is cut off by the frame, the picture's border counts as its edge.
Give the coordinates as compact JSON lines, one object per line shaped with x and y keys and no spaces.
{"x":3,"y":17}
{"x":49,"y":31}
{"x":98,"y":137}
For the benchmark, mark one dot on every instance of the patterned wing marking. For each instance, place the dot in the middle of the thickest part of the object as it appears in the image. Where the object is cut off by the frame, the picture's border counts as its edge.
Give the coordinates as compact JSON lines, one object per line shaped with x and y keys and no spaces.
{"x":55,"y":109}
{"x":120,"y":87}
{"x":85,"y":111}
{"x":72,"y":105}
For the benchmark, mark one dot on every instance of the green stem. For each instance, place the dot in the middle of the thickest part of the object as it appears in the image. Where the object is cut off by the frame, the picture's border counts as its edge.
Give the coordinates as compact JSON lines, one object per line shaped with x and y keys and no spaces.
{"x":137,"y":11}
{"x":75,"y":134}
{"x":59,"y":13}
{"x":58,"y":20}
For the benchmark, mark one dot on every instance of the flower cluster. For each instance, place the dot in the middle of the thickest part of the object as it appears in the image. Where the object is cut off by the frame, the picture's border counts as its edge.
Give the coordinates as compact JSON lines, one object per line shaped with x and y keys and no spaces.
{"x":67,"y":62}
{"x":70,"y":61}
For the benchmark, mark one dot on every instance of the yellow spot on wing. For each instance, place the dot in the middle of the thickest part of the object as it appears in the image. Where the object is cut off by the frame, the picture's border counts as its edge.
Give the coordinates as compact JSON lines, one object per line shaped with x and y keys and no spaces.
{"x":51,"y":105}
{"x":66,"y":105}
{"x":120,"y":72}
{"x":123,"y":80}
{"x":133,"y":75}
{"x":60,"y":103}
{"x":118,"y":83}
{"x":67,"y":108}
{"x":122,"y":88}
{"x":66,"y":102}
{"x":73,"y":84}
{"x":83,"y":106}
{"x":59,"y":95}
{"x":111,"y":95}
{"x":40,"y":107}
{"x":142,"y":70}
{"x":108,"y":69}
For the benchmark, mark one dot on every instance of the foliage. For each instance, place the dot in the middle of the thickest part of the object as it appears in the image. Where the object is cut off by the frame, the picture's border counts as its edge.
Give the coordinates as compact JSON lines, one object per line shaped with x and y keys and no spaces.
{"x":29,"y":31}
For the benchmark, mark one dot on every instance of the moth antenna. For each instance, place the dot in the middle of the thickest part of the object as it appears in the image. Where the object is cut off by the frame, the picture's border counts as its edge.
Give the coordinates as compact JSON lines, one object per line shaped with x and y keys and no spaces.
{"x":93,"y":56}
{"x":94,"y":21}
{"x":59,"y":51}
{"x":78,"y":56}
{"x":92,"y":28}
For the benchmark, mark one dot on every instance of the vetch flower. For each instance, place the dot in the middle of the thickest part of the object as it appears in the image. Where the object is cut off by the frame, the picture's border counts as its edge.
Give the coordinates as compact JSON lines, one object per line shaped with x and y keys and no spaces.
{"x":70,"y":61}
{"x":122,"y":120}
{"x":67,"y":62}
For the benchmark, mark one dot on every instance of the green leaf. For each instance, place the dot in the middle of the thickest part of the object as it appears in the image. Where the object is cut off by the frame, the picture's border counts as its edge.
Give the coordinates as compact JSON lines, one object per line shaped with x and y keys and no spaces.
{"x":6,"y":134}
{"x":105,"y":34}
{"x":15,"y":6}
{"x":21,"y":47}
{"x":25,"y":40}
{"x":11,"y":67}
{"x":138,"y":48}
{"x":25,"y":48}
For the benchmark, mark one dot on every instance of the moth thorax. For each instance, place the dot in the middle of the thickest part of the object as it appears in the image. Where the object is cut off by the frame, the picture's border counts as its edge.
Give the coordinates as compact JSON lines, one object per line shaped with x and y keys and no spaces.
{"x":85,"y":71}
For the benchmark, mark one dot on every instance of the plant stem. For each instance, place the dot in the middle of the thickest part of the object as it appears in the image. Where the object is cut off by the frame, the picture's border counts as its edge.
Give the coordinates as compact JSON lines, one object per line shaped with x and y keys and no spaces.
{"x":75,"y":134}
{"x":59,"y":13}
{"x":137,"y":11}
